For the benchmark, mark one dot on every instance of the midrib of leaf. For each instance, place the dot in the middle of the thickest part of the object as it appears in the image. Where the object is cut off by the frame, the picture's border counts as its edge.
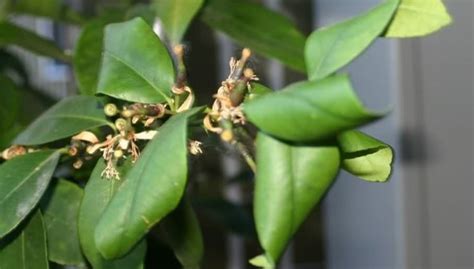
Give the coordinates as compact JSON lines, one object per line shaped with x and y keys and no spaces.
{"x":324,"y":111}
{"x":131,"y":67}
{"x":36,"y":170}
{"x":326,"y":56}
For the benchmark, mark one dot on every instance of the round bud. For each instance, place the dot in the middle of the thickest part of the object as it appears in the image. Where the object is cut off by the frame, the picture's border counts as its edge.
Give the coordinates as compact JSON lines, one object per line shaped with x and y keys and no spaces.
{"x":110,"y":110}
{"x":227,"y":135}
{"x":121,"y":124}
{"x":118,"y":153}
{"x":127,"y":113}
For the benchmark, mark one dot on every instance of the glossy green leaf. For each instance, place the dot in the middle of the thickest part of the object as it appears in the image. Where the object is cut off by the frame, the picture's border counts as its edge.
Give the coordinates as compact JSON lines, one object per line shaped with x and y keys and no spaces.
{"x":9,"y":103}
{"x":26,"y":249}
{"x":136,"y":66}
{"x":418,"y":18}
{"x":257,"y":90}
{"x":60,"y":214}
{"x":310,"y":110}
{"x":11,"y":34}
{"x":98,"y":194}
{"x":258,"y":28}
{"x":330,"y":48}
{"x":153,"y":188}
{"x":54,"y":9}
{"x":183,"y":234}
{"x":68,"y":117}
{"x":88,"y":53}
{"x":23,"y":181}
{"x":176,"y":15}
{"x":365,"y":156}
{"x":290,"y":181}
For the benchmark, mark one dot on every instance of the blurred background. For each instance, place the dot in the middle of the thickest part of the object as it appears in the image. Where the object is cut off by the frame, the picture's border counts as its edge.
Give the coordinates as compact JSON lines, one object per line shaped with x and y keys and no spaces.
{"x":422,"y":218}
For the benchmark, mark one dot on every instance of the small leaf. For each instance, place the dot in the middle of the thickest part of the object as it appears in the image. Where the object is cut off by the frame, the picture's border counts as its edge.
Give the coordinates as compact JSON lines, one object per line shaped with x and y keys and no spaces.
{"x":98,"y":193}
{"x":418,"y":18}
{"x":176,"y":15}
{"x":23,"y":181}
{"x":88,"y":53}
{"x":310,"y":110}
{"x":365,"y":156}
{"x":183,"y":234}
{"x":261,"y":261}
{"x":290,"y":181}
{"x":26,"y":249}
{"x":261,"y":29}
{"x":60,"y":213}
{"x":136,"y":66}
{"x":153,"y":188}
{"x":330,"y":48}
{"x":67,"y":118}
{"x":11,"y":34}
{"x":53,"y":9}
{"x":257,"y":90}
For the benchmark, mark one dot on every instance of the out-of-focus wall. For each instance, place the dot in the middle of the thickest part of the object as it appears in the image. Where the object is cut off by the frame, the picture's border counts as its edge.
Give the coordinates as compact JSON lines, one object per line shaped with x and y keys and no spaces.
{"x":422,"y":218}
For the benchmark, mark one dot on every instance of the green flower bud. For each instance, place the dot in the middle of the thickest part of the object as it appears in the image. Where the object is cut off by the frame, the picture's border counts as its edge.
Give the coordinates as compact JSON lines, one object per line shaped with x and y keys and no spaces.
{"x":110,"y":110}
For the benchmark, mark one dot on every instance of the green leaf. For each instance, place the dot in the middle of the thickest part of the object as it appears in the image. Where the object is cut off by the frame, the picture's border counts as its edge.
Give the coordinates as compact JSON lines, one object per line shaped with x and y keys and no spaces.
{"x":365,"y":156}
{"x":135,"y":66}
{"x":9,"y":103}
{"x":11,"y":34}
{"x":98,"y":194}
{"x":88,"y":53}
{"x":27,"y":250}
{"x":261,"y":29}
{"x":176,"y":15}
{"x":68,"y":117}
{"x":183,"y":234}
{"x":310,"y":110}
{"x":60,"y":214}
{"x":23,"y":181}
{"x":153,"y":188}
{"x":54,"y":9}
{"x":418,"y":18}
{"x":330,"y":48}
{"x":261,"y":261}
{"x":290,"y":181}
{"x":257,"y":90}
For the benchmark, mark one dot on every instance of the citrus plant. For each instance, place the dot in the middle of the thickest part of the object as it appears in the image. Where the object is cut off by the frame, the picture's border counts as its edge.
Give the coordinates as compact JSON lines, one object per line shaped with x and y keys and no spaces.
{"x":87,"y":181}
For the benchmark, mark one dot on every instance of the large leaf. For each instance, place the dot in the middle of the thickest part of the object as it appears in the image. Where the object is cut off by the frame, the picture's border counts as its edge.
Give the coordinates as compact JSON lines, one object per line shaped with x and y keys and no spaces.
{"x":418,"y":18}
{"x":330,"y":48}
{"x":60,"y":213}
{"x":176,"y":16}
{"x":9,"y":103}
{"x":98,"y":193}
{"x":54,"y":9}
{"x":11,"y":34}
{"x":308,"y":111}
{"x":135,"y":66}
{"x":183,"y":234}
{"x":153,"y":188}
{"x":23,"y":181}
{"x":290,"y":181}
{"x":27,"y":248}
{"x":365,"y":156}
{"x":68,"y":117}
{"x":254,"y":26}
{"x":88,"y":53}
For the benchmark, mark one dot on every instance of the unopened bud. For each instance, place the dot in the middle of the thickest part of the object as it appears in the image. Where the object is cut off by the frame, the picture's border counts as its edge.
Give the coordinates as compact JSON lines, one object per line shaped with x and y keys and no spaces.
{"x":118,"y":153}
{"x":110,"y":110}
{"x":78,"y":164}
{"x":227,"y":135}
{"x":128,"y":113}
{"x":121,"y":124}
